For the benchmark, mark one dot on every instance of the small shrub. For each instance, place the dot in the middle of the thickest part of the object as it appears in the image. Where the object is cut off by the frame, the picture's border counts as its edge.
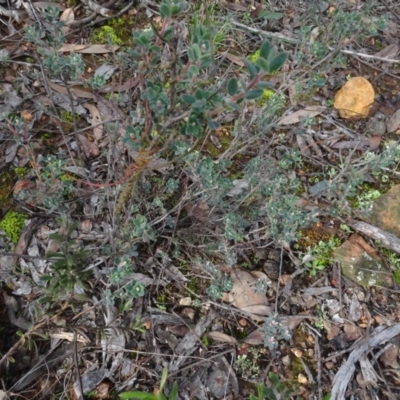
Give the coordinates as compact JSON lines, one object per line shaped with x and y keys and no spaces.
{"x":67,"y":266}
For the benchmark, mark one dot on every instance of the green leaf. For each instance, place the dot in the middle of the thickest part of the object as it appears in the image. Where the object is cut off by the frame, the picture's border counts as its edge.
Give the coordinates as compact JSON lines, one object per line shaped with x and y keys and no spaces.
{"x":56,"y":237}
{"x":193,"y":70}
{"x":251,"y":67}
{"x":277,"y":62}
{"x":265,"y":49}
{"x":167,"y":36}
{"x":188,"y":99}
{"x":199,"y":94}
{"x":165,"y":11}
{"x":264,"y":85}
{"x":270,"y":15}
{"x":164,"y":378}
{"x":276,"y":381}
{"x":233,"y":86}
{"x":137,"y":395}
{"x":269,"y":394}
{"x":263,"y":64}
{"x":254,"y":94}
{"x":174,"y":392}
{"x":213,"y":124}
{"x":177,"y":8}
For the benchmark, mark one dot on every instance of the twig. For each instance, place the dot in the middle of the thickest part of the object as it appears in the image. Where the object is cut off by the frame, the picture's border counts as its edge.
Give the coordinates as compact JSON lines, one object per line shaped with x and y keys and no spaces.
{"x":286,"y":39}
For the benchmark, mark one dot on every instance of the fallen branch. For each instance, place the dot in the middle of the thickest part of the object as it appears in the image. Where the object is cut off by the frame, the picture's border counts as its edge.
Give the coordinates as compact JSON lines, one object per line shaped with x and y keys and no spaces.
{"x":388,"y":240}
{"x":346,"y":371}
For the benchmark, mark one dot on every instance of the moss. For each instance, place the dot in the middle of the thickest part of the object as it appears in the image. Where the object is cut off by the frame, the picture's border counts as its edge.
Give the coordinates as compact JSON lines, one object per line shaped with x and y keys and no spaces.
{"x":255,"y":56}
{"x":106,"y":34}
{"x":67,"y":116}
{"x":12,"y":225}
{"x":20,"y":171}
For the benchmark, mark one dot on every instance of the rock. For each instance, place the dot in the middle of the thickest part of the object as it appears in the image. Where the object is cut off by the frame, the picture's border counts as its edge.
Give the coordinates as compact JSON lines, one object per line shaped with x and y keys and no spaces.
{"x":355,"y":98}
{"x":375,"y":127}
{"x":361,"y":263}
{"x":385,"y":212}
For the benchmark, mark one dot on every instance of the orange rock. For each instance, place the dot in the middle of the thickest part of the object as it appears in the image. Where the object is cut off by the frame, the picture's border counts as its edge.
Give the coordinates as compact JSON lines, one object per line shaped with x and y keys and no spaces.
{"x":355,"y":98}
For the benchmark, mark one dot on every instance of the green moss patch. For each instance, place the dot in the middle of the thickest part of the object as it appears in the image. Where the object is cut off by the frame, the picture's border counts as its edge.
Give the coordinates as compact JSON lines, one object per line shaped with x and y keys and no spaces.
{"x":12,"y":225}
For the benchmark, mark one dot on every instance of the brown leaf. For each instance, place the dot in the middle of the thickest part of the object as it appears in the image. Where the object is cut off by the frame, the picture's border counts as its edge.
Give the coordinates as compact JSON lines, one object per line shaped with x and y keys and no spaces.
{"x":95,"y":120}
{"x":235,"y":59}
{"x":68,"y":17}
{"x":89,"y":148}
{"x":303,"y":145}
{"x":243,"y":293}
{"x":221,"y":337}
{"x":374,"y":142}
{"x":199,"y":211}
{"x":75,"y":91}
{"x":394,"y":122}
{"x":88,"y":48}
{"x":258,"y":309}
{"x":390,"y":51}
{"x":297,"y":116}
{"x":332,"y":330}
{"x":352,"y":332}
{"x":255,"y":338}
{"x":389,"y":357}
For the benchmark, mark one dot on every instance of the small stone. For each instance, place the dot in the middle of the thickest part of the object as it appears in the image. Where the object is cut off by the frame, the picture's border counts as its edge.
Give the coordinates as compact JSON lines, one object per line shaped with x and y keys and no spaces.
{"x":375,"y":127}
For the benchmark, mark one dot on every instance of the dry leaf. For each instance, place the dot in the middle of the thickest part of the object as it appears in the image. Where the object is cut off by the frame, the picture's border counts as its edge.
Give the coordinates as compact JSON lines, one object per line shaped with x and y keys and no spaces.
{"x":95,"y":120}
{"x":374,"y":142}
{"x":88,"y":48}
{"x":221,"y":337}
{"x":355,"y":98}
{"x":26,"y":115}
{"x":303,"y":145}
{"x":297,"y":116}
{"x":89,"y":148}
{"x":352,"y":332}
{"x":199,"y":211}
{"x":68,"y":17}
{"x":75,"y":91}
{"x":255,"y":338}
{"x":394,"y":122}
{"x":390,"y":51}
{"x":243,"y":293}
{"x":258,"y":309}
{"x":368,"y":372}
{"x":332,"y":331}
{"x":389,"y":357}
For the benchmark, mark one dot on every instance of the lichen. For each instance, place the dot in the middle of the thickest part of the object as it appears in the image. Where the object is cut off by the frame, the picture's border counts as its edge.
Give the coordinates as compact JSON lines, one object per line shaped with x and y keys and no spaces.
{"x":12,"y":225}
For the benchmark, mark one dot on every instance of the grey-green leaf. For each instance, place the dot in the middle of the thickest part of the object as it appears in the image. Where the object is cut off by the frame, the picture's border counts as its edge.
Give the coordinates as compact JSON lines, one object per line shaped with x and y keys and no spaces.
{"x":265,"y":49}
{"x":254,"y":94}
{"x":188,"y":99}
{"x":233,"y":87}
{"x":263,"y":64}
{"x":277,"y":62}
{"x":251,"y":67}
{"x":165,"y":11}
{"x":264,"y":85}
